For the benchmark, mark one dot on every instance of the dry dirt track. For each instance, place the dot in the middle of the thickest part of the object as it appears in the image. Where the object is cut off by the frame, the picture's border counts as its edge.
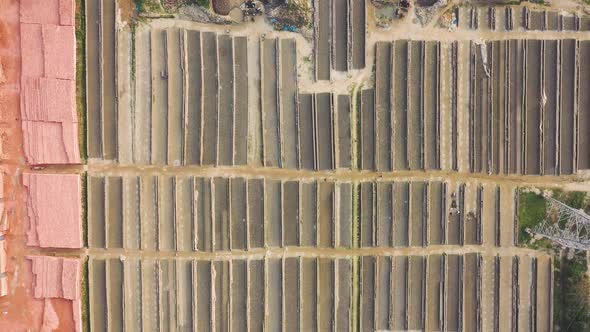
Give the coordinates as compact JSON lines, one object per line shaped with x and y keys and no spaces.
{"x":223,"y":196}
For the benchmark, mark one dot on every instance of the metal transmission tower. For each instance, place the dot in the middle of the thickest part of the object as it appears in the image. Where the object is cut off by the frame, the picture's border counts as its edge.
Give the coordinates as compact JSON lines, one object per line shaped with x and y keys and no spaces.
{"x":565,"y":225}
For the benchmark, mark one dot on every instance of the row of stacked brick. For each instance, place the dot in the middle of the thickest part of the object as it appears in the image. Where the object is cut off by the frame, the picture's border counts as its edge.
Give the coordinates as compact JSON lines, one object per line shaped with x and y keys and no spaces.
{"x":43,"y":105}
{"x":48,"y":82}
{"x":50,"y":122}
{"x":9,"y":87}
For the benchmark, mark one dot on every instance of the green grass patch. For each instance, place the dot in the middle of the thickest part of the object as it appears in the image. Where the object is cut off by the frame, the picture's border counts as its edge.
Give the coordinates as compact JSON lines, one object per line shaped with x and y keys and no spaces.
{"x":133,"y":28}
{"x":575,"y":199}
{"x":571,"y":302}
{"x":356,"y":128}
{"x":355,"y":96}
{"x":355,"y":118}
{"x":81,"y":76}
{"x":571,"y":284}
{"x":85,"y":297}
{"x":531,"y":211}
{"x":356,"y":220}
{"x":356,"y":260}
{"x":84,"y":181}
{"x":355,"y":322}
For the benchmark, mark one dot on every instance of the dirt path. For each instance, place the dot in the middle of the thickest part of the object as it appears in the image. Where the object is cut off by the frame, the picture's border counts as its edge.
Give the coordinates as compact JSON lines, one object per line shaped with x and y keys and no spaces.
{"x":311,"y":252}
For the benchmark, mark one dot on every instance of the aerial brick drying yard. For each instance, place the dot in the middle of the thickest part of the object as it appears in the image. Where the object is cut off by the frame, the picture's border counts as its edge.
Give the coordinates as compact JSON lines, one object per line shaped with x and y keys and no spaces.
{"x":294,"y":165}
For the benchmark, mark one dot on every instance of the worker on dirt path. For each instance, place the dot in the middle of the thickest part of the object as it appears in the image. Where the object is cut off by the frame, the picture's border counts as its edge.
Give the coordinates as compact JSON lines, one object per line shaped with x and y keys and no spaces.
{"x":251,"y":8}
{"x":403,"y":8}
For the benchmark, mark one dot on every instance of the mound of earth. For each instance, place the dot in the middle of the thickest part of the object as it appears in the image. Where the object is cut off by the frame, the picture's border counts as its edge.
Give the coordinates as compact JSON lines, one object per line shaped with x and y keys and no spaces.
{"x":222,"y":7}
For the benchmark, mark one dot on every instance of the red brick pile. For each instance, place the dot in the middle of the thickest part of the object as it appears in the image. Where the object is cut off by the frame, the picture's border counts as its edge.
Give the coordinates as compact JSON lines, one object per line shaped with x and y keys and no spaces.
{"x":38,"y":95}
{"x":59,"y":278}
{"x":48,"y":82}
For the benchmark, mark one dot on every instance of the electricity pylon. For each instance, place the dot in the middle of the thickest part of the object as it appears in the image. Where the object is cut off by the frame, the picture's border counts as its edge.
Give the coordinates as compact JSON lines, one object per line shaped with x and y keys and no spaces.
{"x":564,"y":225}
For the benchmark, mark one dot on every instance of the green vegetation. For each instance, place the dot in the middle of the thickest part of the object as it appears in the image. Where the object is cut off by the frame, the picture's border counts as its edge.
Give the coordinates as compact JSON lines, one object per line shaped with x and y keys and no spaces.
{"x":302,"y":11}
{"x":84,"y":208}
{"x":85,"y":297}
{"x":356,"y":294}
{"x":531,"y":211}
{"x":81,"y":76}
{"x":149,"y":7}
{"x":356,"y":188}
{"x":356,"y":219}
{"x":295,"y":14}
{"x":571,"y":302}
{"x":575,"y":199}
{"x":356,"y":204}
{"x":308,"y":61}
{"x":133,"y":63}
{"x":532,"y":208}
{"x":571,"y":283}
{"x":200,"y":3}
{"x":356,"y":128}
{"x":356,"y":260}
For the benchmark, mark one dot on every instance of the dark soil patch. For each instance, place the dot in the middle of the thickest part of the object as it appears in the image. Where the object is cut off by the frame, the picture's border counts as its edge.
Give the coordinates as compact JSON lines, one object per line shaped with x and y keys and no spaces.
{"x":128,"y":9}
{"x":221,"y":7}
{"x":426,"y":3}
{"x":270,"y":4}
